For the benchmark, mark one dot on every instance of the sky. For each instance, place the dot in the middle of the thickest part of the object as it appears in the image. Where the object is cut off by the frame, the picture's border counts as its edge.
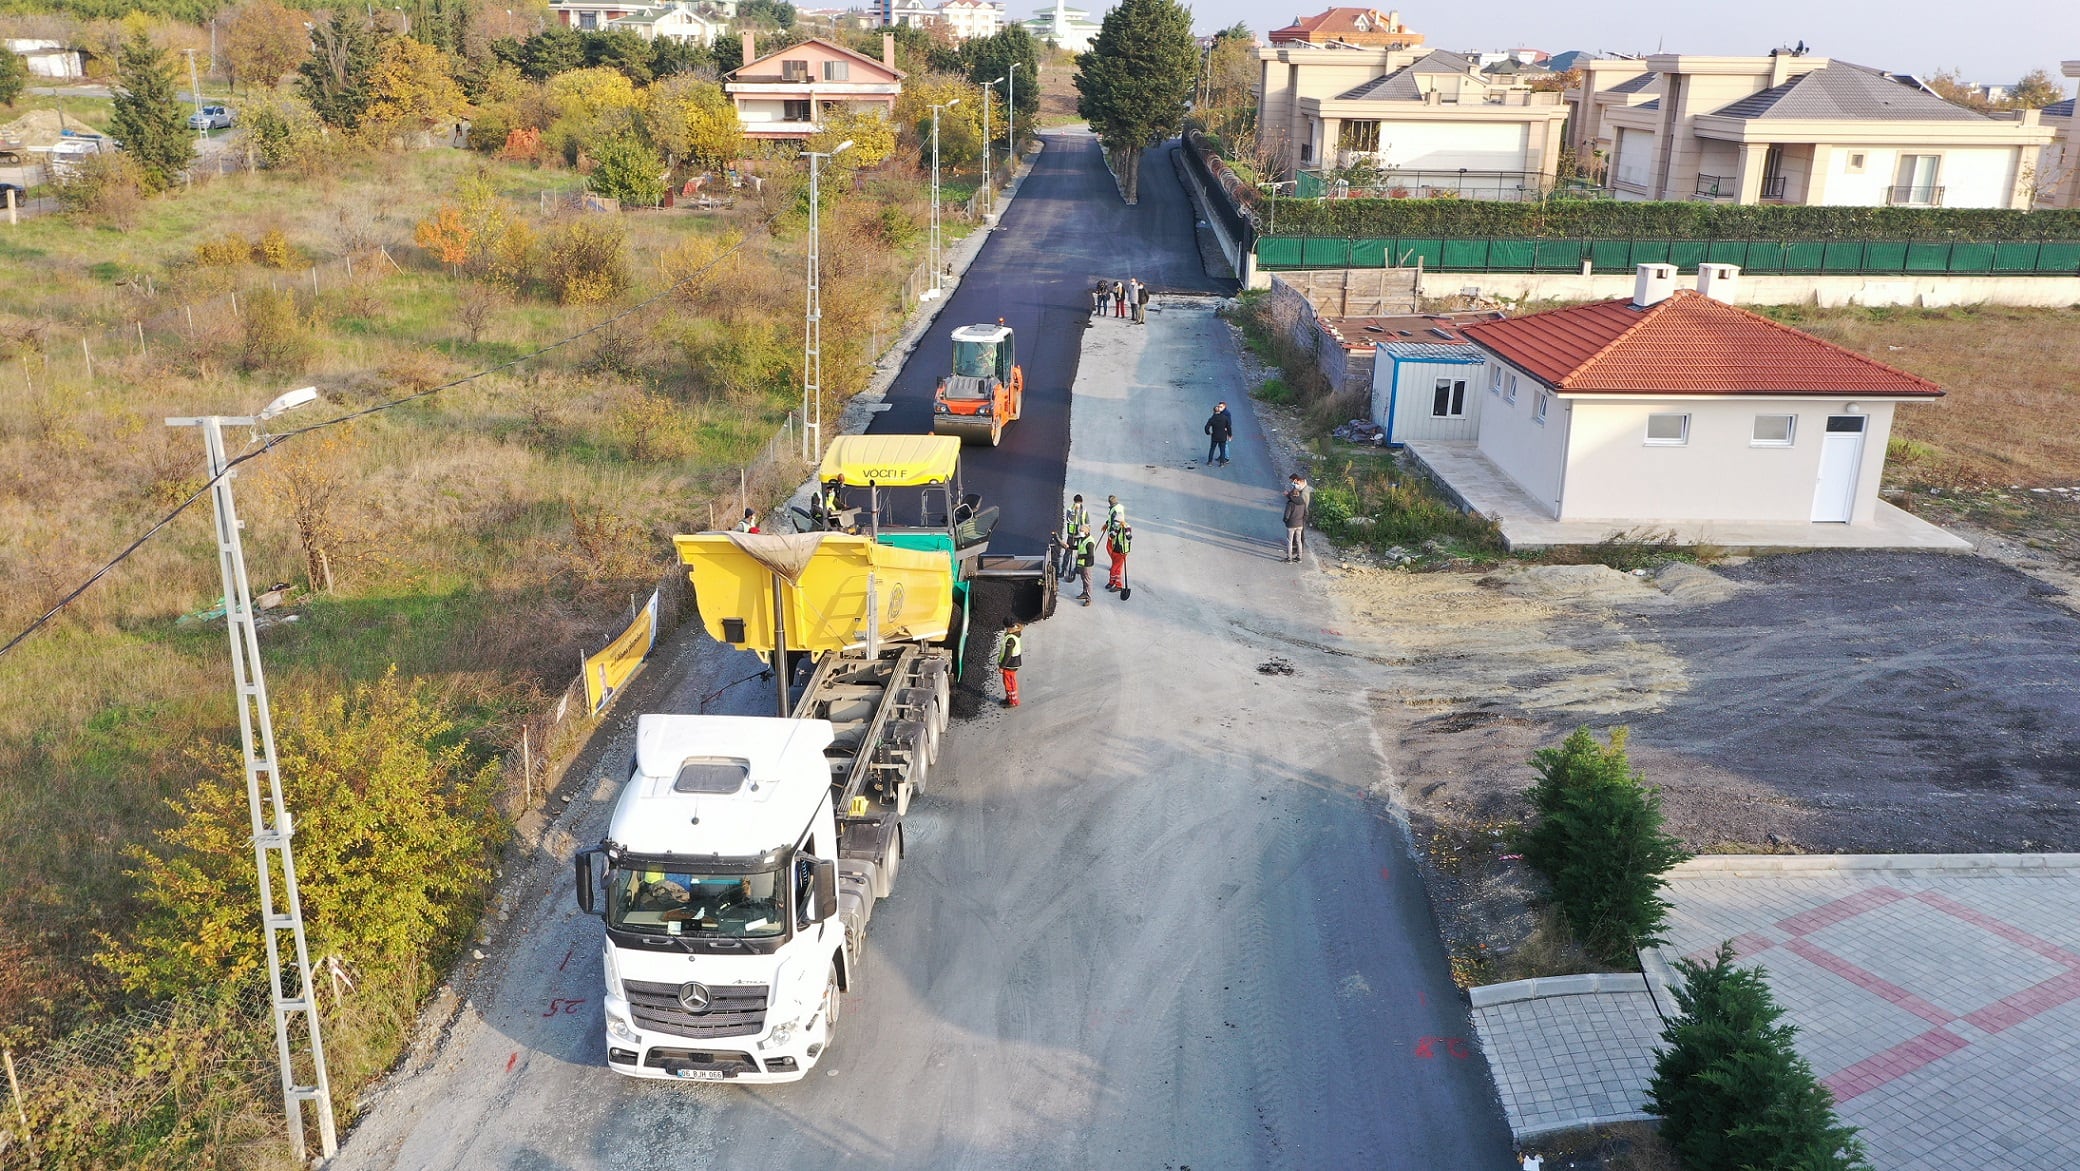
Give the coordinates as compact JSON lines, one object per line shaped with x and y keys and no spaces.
{"x":1906,"y":36}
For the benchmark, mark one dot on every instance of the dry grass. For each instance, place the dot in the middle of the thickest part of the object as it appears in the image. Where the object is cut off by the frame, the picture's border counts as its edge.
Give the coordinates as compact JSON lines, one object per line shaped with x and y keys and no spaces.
{"x":2012,"y":377}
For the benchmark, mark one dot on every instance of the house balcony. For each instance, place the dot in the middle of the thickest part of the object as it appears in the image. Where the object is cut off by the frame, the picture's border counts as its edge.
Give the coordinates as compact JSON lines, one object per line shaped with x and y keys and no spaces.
{"x":1773,"y":188}
{"x":1717,"y":186}
{"x":1914,"y":196}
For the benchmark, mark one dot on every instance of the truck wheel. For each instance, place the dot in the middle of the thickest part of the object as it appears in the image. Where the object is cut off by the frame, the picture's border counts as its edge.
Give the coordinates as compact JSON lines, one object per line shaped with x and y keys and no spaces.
{"x":920,"y":771}
{"x":996,"y":432}
{"x":885,"y":875}
{"x":931,"y":744}
{"x":833,"y":1004}
{"x":942,"y":705}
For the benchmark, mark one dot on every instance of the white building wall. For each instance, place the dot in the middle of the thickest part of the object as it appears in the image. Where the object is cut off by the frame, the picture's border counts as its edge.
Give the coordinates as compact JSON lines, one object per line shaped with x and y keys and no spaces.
{"x":1448,"y":146}
{"x":1412,"y":403}
{"x":1975,"y":176}
{"x":1614,"y":474}
{"x":1532,"y":454}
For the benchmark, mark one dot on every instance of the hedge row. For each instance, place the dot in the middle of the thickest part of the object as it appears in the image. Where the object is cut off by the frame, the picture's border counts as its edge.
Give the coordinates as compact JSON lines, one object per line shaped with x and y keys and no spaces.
{"x":1612,"y":220}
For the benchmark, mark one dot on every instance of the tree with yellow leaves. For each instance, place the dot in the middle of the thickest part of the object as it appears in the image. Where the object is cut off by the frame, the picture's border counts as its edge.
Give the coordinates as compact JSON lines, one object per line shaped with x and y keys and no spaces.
{"x":691,"y":120}
{"x":411,"y":87}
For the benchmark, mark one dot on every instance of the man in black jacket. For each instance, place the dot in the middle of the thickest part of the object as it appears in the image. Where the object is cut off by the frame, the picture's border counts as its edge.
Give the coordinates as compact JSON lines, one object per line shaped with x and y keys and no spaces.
{"x":1219,"y":430}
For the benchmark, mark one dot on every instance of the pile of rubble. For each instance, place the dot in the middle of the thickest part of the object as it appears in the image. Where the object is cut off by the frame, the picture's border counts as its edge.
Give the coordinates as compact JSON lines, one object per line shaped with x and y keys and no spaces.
{"x":1361,"y":431}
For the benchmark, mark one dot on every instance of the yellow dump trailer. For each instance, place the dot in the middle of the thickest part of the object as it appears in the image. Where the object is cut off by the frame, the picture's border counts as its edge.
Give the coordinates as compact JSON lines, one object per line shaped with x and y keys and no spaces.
{"x":822,"y":583}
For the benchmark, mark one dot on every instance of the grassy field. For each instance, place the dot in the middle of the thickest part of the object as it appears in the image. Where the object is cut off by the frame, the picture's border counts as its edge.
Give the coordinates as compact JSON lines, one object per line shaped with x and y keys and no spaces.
{"x":481,"y":539}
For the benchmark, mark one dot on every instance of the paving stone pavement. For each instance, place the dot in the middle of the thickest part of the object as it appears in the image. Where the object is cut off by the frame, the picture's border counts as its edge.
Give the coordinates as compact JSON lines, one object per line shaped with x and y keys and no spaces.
{"x":1568,"y":1051}
{"x":1937,"y":996}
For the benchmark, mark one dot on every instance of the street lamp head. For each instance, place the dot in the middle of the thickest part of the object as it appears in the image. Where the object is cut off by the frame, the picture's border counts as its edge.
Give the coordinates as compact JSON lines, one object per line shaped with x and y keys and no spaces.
{"x":955,"y":102}
{"x":841,"y":148}
{"x":299,"y":397}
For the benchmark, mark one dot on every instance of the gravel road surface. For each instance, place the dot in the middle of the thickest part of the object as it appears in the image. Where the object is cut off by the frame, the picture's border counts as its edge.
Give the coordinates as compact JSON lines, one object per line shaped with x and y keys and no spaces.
{"x":1160,"y":916}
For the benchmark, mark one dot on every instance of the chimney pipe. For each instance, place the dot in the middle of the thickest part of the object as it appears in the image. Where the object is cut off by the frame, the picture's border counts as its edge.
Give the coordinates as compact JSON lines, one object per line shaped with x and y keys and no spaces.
{"x":750,"y":53}
{"x":1653,"y":284}
{"x":1718,"y":281}
{"x":888,"y":50}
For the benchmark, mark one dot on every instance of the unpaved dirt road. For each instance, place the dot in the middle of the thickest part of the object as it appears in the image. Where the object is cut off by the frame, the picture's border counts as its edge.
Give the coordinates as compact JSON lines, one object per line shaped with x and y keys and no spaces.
{"x":1161,"y":916}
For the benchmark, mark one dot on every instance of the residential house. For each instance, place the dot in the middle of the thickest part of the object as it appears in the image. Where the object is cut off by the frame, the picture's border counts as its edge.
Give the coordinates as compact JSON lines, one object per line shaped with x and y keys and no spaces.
{"x":673,"y":22}
{"x":47,"y":59}
{"x":1675,"y":406}
{"x":1607,"y":83}
{"x":2058,"y":172}
{"x":593,"y":14}
{"x":1364,"y":27}
{"x":1291,"y":74}
{"x":1437,"y":126}
{"x":1426,"y":379}
{"x":1798,"y":129}
{"x":786,"y":95}
{"x":1070,"y":29}
{"x":967,"y":19}
{"x":906,"y":14}
{"x":1571,"y":59}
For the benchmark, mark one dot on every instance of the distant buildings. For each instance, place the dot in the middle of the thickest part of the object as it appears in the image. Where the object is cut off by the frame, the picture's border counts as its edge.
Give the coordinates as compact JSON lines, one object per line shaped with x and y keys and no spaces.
{"x":51,"y":59}
{"x":673,"y":22}
{"x":962,"y":19}
{"x":789,"y":94}
{"x":1363,"y":27}
{"x":1788,"y":128}
{"x":1064,"y":27}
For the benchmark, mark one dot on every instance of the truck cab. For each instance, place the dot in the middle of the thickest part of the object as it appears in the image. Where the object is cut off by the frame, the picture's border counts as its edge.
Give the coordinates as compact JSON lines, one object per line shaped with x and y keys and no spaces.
{"x":726,"y":956}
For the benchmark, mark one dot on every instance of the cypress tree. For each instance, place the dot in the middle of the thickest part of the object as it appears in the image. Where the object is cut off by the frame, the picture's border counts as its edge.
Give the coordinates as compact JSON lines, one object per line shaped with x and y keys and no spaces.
{"x":1133,"y":84}
{"x":334,"y":78}
{"x":149,"y":119}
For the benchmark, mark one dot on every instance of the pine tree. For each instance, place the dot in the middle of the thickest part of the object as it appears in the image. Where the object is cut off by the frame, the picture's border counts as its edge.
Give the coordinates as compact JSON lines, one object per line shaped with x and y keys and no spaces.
{"x":149,"y":120}
{"x":14,"y":77}
{"x":1134,"y":82}
{"x":334,"y":78}
{"x":985,"y":59}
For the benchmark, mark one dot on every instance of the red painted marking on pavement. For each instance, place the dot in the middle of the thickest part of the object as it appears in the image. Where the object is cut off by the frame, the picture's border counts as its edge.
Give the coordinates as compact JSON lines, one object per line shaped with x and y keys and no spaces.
{"x":1870,"y":982}
{"x":512,"y":1061}
{"x":1423,"y":998}
{"x":1423,"y":1048}
{"x":1840,"y":910}
{"x":1893,"y":1064}
{"x":567,"y":957}
{"x":1386,"y":874}
{"x":1993,"y":926}
{"x":2031,"y":1001}
{"x":565,"y":1006}
{"x":1456,"y":1046}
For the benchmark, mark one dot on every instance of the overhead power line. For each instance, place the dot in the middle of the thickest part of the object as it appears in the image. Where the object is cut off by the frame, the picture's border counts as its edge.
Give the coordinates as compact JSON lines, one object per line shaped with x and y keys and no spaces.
{"x":271,"y":441}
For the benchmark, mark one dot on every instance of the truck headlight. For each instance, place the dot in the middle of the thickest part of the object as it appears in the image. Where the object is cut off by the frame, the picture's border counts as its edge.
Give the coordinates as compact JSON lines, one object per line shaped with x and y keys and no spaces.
{"x":612,"y":973}
{"x":780,"y":1035}
{"x":621,"y":1030}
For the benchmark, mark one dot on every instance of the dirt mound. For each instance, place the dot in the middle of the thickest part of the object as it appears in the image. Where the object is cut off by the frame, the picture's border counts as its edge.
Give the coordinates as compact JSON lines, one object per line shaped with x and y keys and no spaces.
{"x":1694,"y":585}
{"x":1572,"y":583}
{"x":35,"y":128}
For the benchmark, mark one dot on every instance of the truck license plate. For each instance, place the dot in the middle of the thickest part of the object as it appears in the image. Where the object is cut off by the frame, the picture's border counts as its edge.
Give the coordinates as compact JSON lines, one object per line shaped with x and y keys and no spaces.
{"x":699,"y":1075}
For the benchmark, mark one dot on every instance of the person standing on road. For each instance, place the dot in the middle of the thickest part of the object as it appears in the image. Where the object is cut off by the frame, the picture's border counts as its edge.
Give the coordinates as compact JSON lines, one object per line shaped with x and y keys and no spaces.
{"x":1009,"y":658}
{"x":1099,"y":291}
{"x":1119,"y":299}
{"x":1076,"y":521}
{"x":1298,"y":496}
{"x":1140,"y":303}
{"x":1117,"y":541}
{"x":1115,"y":513}
{"x":1086,"y":555}
{"x":1220,"y":428}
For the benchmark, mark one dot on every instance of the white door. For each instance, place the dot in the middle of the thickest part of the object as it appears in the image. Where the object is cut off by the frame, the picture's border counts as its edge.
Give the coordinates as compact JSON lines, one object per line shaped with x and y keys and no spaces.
{"x":1841,"y":456}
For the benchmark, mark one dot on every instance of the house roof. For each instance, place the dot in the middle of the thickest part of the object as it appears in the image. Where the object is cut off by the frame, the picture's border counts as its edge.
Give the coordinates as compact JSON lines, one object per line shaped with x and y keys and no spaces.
{"x":748,"y":66}
{"x":1686,"y":344}
{"x":1401,"y":85}
{"x":1337,"y":23}
{"x":1646,"y":83}
{"x":1562,"y":62}
{"x":1842,"y":90}
{"x":2062,"y":109}
{"x":1433,"y":351}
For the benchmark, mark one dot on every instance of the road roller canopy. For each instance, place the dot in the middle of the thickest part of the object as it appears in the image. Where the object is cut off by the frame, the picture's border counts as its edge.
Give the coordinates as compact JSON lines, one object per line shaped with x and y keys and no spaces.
{"x":984,"y":352}
{"x":891,"y":461}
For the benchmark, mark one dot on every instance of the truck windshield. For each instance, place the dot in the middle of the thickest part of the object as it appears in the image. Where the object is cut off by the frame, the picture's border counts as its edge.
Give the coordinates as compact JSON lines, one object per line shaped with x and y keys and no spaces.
{"x":975,"y":359}
{"x":678,"y":902}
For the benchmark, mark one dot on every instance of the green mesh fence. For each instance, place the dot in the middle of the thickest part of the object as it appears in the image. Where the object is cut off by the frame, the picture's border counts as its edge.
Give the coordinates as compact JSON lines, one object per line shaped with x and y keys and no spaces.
{"x":1541,"y":254}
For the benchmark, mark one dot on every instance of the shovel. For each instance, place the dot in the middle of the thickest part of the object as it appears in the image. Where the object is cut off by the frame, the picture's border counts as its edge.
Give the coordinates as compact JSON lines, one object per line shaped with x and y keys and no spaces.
{"x":1125,"y":590}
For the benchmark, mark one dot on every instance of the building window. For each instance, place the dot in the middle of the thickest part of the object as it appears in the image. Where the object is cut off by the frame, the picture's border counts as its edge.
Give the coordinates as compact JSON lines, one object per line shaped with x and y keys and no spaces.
{"x":1856,"y":163}
{"x":837,"y":70}
{"x":1668,"y":430}
{"x":1494,"y":379}
{"x":794,"y":70}
{"x":1448,"y":400}
{"x":1538,"y":408}
{"x":1510,"y":394}
{"x":588,"y":20}
{"x":1774,"y":430}
{"x":1360,"y":135}
{"x":1306,"y":152}
{"x":797,"y":111}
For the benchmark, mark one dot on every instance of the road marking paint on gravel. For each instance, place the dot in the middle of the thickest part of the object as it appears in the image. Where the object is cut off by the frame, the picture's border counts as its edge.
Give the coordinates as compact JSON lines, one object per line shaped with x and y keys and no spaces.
{"x":564,"y":1006}
{"x":512,"y":1061}
{"x":567,"y":957}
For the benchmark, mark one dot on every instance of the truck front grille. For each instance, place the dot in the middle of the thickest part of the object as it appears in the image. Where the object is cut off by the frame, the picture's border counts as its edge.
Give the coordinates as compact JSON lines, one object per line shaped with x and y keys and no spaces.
{"x":733,"y":1010}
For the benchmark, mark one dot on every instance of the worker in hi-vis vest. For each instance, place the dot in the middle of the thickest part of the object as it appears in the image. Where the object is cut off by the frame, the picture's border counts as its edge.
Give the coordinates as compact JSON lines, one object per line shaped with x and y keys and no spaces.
{"x":1118,"y":540}
{"x":1009,"y":658}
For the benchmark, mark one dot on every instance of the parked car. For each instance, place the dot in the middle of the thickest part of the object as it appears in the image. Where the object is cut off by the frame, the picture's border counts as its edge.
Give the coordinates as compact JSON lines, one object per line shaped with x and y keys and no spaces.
{"x":20,"y":193}
{"x":210,"y":118}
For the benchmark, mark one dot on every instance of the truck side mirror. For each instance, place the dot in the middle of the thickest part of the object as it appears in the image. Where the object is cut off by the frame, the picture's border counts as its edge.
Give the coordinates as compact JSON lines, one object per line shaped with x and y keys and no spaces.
{"x":826,"y":889}
{"x":587,"y":902}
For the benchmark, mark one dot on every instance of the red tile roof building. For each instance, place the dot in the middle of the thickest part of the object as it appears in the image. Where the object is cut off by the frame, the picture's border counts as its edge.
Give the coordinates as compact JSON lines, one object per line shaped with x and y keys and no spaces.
{"x":1688,"y":344}
{"x":1350,"y":26}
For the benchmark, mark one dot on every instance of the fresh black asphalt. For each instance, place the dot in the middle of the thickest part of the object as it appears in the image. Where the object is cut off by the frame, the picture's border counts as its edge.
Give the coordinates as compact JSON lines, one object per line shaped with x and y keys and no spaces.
{"x":1067,"y":227}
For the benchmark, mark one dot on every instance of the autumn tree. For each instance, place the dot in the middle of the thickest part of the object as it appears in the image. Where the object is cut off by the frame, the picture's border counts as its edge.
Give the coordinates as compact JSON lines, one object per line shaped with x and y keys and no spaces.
{"x":446,"y":234}
{"x":1133,"y":84}
{"x":692,"y":120}
{"x":148,"y":119}
{"x":873,"y":138}
{"x":263,"y":41}
{"x":410,"y":86}
{"x":1227,"y":102}
{"x":627,"y":168}
{"x":2036,"y":90}
{"x":334,"y":77}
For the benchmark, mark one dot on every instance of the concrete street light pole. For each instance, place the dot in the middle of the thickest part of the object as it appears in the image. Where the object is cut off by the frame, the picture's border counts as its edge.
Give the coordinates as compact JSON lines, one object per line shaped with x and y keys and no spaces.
{"x":1011,"y":121}
{"x":812,"y":324}
{"x":195,"y":91}
{"x":273,"y":829}
{"x":989,"y":90}
{"x":938,"y":288}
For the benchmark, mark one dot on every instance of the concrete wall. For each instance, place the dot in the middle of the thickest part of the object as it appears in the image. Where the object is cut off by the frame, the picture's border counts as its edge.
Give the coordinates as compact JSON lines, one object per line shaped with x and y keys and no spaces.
{"x":1408,"y":389}
{"x":1296,"y":315}
{"x":1614,"y":474}
{"x":1826,"y":291}
{"x":1533,"y":454}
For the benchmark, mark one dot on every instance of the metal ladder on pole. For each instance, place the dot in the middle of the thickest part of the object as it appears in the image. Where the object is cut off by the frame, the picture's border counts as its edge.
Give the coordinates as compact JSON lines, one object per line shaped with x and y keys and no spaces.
{"x":274,"y":856}
{"x":812,"y":326}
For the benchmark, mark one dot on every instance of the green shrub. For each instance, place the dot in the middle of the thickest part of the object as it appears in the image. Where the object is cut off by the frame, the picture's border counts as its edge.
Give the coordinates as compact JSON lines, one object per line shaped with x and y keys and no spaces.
{"x":1731,"y":1090}
{"x":1598,"y":841}
{"x":628,"y":170}
{"x":273,"y":335}
{"x":107,"y":187}
{"x":1273,"y":391}
{"x":585,"y":259}
{"x":1686,"y":220}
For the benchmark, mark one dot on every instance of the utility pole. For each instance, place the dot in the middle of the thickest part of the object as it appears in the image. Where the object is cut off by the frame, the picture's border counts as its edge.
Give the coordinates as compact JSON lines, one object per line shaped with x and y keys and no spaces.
{"x":812,"y":326}
{"x":989,"y":90}
{"x":273,"y":828}
{"x":1011,"y":122}
{"x":195,"y":88}
{"x":938,"y":288}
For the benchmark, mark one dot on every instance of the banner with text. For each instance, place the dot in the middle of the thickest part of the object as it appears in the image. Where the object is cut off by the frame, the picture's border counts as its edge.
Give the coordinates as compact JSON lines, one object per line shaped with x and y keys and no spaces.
{"x":607,"y":671}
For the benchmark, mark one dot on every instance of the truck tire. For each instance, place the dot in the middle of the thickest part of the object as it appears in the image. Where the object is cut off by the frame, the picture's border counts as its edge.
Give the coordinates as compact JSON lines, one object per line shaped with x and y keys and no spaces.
{"x":833,"y":1004}
{"x":942,"y":708}
{"x":931,"y":741}
{"x":920,"y":772}
{"x":885,"y":874}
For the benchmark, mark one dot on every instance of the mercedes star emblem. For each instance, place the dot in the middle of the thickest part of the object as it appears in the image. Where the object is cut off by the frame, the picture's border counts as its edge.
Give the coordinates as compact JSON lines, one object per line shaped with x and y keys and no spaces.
{"x":694,"y":998}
